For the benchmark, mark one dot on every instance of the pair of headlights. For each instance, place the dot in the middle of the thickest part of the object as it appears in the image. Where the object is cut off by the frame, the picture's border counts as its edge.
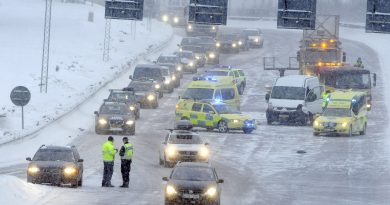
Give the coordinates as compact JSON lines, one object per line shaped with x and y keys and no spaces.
{"x":66,"y":171}
{"x":317,"y":124}
{"x":210,"y":192}
{"x":103,"y":121}
{"x":171,"y":152}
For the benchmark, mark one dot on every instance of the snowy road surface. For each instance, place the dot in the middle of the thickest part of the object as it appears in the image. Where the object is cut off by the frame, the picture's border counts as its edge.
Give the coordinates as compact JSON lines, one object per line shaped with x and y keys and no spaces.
{"x":261,"y":168}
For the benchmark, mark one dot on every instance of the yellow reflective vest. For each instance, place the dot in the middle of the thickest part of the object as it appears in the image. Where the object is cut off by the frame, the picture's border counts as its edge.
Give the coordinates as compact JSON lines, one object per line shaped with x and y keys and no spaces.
{"x":128,"y":151}
{"x":108,"y":151}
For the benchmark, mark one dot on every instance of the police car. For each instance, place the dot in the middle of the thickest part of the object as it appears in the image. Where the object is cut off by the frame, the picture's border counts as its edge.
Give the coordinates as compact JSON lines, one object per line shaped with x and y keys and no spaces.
{"x":237,"y":76}
{"x":126,"y":96}
{"x":114,"y":117}
{"x":214,"y":116}
{"x":183,"y":145}
{"x":345,"y":114}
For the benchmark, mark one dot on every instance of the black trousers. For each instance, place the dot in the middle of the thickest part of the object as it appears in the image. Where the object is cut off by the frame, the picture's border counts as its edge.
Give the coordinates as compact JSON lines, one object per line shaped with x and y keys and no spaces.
{"x":125,"y":170}
{"x":107,"y":173}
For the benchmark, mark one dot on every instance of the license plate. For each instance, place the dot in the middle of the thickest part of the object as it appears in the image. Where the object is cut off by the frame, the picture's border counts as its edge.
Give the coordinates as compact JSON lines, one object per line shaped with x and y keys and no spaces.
{"x":329,"y":130}
{"x":191,"y":196}
{"x":116,"y":129}
{"x":283,"y":116}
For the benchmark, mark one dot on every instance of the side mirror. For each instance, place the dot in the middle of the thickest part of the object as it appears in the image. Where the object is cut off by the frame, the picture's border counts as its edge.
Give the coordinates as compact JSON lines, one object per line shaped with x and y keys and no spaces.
{"x":80,"y":160}
{"x":267,"y":97}
{"x":165,"y":179}
{"x":344,"y":57}
{"x":96,"y":113}
{"x":28,"y":159}
{"x":374,"y":80}
{"x":131,"y":77}
{"x":220,"y":181}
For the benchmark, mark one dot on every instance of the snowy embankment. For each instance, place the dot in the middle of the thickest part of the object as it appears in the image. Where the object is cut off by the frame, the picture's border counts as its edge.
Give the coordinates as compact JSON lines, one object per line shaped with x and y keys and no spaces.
{"x":76,"y":68}
{"x":18,"y":192}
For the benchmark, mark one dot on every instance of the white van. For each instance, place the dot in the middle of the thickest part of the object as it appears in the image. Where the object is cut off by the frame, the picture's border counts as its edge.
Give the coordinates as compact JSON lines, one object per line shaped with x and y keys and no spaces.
{"x":294,"y":98}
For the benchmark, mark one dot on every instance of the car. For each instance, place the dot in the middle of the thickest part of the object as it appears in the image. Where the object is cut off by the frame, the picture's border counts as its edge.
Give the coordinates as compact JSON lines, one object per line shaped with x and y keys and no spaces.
{"x":345,"y":114}
{"x":147,"y":92}
{"x":227,"y":43}
{"x":173,"y":62}
{"x":254,"y":36}
{"x":193,"y":183}
{"x":209,"y":45}
{"x":126,"y":96}
{"x":56,"y":165}
{"x":187,"y":60}
{"x":214,"y":116}
{"x":233,"y":74}
{"x":199,"y":52}
{"x":201,"y":29}
{"x":114,"y":117}
{"x":213,"y":90}
{"x":183,"y":145}
{"x":169,"y":84}
{"x":174,"y":18}
{"x":189,"y":41}
{"x":149,"y":72}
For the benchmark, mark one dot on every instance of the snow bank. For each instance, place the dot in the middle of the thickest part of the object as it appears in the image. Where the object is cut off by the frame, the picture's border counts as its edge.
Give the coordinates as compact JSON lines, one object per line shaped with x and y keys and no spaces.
{"x":76,"y":68}
{"x":17,"y":192}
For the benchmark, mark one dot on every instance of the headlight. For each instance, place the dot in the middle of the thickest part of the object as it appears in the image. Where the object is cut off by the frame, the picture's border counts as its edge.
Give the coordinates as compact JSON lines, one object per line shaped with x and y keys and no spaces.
{"x":132,"y":108}
{"x":204,"y":152}
{"x":214,"y":28}
{"x":102,"y":121}
{"x":130,"y":122}
{"x":150,"y":97}
{"x":218,"y":44}
{"x":236,"y":121}
{"x":240,"y":43}
{"x":165,"y":18}
{"x":211,"y":192}
{"x":69,"y":170}
{"x":197,"y":57}
{"x":167,"y":82}
{"x":173,"y":77}
{"x":212,"y":55}
{"x":191,"y":64}
{"x":234,"y":45}
{"x":178,"y":68}
{"x":368,"y":106}
{"x":33,"y":169}
{"x":170,"y":190}
{"x":157,"y":86}
{"x":176,"y":20}
{"x":257,"y":40}
{"x":189,"y":27}
{"x":316,"y":123}
{"x":171,"y":151}
{"x":344,"y":124}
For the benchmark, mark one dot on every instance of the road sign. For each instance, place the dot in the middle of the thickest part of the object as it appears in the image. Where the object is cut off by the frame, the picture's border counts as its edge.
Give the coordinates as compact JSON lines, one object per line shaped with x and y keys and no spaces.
{"x":212,"y":12}
{"x":378,"y":16}
{"x":297,"y":14}
{"x":20,"y":96}
{"x":124,"y":9}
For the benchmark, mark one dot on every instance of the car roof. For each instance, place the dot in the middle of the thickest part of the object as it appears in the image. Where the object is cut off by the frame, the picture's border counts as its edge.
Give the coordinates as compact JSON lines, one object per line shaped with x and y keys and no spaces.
{"x":168,"y":56}
{"x":184,"y":51}
{"x":52,"y":147}
{"x":292,"y":80}
{"x":193,"y":164}
{"x":113,"y":103}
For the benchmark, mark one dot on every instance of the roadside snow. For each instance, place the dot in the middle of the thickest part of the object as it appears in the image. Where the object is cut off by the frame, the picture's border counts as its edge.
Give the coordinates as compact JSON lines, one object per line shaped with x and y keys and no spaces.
{"x":76,"y":68}
{"x":17,"y":192}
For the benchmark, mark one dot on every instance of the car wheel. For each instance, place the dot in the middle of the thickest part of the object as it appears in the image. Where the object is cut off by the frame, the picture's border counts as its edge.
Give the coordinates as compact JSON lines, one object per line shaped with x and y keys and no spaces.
{"x":363,"y":132}
{"x":160,"y":94}
{"x":167,"y":202}
{"x":248,"y":131}
{"x":222,"y":126}
{"x":74,"y":184}
{"x":316,"y":133}
{"x":160,"y":161}
{"x":80,"y":183}
{"x":269,"y":119}
{"x":210,"y":129}
{"x":241,"y":89}
{"x":350,"y":131}
{"x":155,"y":105}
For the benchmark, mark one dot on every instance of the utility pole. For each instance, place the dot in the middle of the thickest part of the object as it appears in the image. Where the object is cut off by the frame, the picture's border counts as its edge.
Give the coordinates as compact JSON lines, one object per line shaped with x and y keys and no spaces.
{"x":107,"y":39}
{"x":46,"y":47}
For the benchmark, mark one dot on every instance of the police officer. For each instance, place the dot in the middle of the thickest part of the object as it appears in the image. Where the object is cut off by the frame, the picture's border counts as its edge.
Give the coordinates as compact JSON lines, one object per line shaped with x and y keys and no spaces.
{"x":359,"y":63}
{"x":126,"y":153}
{"x":108,"y":151}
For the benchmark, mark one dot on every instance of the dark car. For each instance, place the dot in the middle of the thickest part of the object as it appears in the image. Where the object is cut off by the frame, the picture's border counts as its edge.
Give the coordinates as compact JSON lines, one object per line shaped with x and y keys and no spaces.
{"x":56,"y":165}
{"x":114,"y":117}
{"x":187,"y":60}
{"x":149,"y":72}
{"x":209,"y":45}
{"x":146,"y":92}
{"x":201,"y":29}
{"x":254,"y":36}
{"x":175,"y":68}
{"x":199,"y":52}
{"x":193,"y":183}
{"x":126,"y":96}
{"x":228,"y":43}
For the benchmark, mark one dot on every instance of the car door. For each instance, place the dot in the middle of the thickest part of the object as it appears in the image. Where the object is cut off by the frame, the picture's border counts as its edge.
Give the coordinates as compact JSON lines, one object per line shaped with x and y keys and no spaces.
{"x":209,"y":115}
{"x":196,"y":111}
{"x":314,"y":100}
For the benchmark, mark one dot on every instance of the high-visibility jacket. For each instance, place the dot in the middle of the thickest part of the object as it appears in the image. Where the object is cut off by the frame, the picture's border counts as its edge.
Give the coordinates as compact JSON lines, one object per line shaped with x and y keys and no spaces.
{"x":128,"y":151}
{"x":108,"y":151}
{"x":324,"y":99}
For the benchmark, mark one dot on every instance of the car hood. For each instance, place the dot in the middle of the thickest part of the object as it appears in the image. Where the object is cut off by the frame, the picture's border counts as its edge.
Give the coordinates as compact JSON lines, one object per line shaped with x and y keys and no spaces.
{"x":284,"y":103}
{"x":192,"y":185}
{"x":170,"y":65}
{"x":187,"y":147}
{"x":51,"y":164}
{"x":236,"y":117}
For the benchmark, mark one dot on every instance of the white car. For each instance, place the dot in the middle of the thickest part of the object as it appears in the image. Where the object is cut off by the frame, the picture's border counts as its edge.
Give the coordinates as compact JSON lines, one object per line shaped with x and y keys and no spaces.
{"x":183,"y":146}
{"x":169,"y":85}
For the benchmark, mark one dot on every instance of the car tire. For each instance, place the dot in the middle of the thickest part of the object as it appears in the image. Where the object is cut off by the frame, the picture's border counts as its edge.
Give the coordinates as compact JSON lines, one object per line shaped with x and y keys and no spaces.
{"x":167,"y":202}
{"x":74,"y":184}
{"x":350,"y":131}
{"x":155,"y":105}
{"x":241,"y":89}
{"x":160,"y":161}
{"x":363,"y":132}
{"x":210,"y":129}
{"x":223,"y":127}
{"x":80,"y":182}
{"x":248,"y":131}
{"x":269,"y":118}
{"x":160,"y":94}
{"x":316,"y":133}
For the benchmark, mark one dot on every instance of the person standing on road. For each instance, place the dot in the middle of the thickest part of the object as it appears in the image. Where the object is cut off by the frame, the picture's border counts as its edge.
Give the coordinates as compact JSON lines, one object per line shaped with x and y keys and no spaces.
{"x":109,"y":152}
{"x":126,"y":153}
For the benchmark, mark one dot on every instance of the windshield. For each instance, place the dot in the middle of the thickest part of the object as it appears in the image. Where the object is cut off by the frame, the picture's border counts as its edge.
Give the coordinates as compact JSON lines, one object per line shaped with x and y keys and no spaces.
{"x":288,"y":93}
{"x":120,"y":96}
{"x":206,"y":40}
{"x":165,"y":72}
{"x":193,"y":174}
{"x":190,"y":41}
{"x":147,"y":73}
{"x":185,"y":139}
{"x":185,"y":55}
{"x":198,"y":93}
{"x":141,"y":86}
{"x":226,"y":109}
{"x":217,"y":73}
{"x":114,"y":109}
{"x":53,"y":155}
{"x":165,"y":59}
{"x":350,"y":81}
{"x":337,"y":112}
{"x":195,"y":49}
